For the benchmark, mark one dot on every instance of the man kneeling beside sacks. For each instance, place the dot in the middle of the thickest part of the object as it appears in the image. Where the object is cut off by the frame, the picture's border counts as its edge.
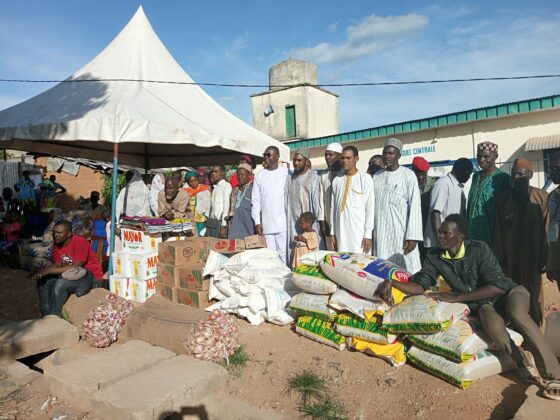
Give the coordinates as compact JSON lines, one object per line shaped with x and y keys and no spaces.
{"x":472,"y":272}
{"x":75,"y":269}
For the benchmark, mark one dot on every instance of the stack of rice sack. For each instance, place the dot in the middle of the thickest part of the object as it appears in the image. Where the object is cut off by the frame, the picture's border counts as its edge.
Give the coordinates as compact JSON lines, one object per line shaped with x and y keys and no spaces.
{"x":254,"y":284}
{"x":443,"y":342}
{"x":339,"y":308}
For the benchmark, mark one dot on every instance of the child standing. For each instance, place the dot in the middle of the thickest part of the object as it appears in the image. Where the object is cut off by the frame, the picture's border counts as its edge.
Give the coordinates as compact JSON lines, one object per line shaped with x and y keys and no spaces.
{"x":308,"y":241}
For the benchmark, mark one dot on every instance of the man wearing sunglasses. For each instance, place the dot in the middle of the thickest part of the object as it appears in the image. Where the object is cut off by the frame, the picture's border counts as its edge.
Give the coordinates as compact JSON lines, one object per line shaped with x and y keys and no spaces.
{"x":268,"y":202}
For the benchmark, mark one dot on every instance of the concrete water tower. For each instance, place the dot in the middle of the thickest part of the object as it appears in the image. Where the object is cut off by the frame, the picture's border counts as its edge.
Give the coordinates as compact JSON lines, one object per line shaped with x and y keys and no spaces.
{"x":294,"y":107}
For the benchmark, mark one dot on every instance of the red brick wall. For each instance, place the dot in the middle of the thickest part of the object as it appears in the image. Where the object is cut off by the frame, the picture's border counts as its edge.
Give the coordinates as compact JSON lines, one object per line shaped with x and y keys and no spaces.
{"x":87,"y":181}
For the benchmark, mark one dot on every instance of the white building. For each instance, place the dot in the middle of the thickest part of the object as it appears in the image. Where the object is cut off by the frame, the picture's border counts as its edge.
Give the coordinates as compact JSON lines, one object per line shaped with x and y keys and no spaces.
{"x":293,"y":107}
{"x":529,"y":129}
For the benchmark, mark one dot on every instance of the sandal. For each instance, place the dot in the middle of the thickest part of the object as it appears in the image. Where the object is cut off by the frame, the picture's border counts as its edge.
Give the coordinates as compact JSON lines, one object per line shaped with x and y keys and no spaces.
{"x":552,"y":390}
{"x":528,"y":371}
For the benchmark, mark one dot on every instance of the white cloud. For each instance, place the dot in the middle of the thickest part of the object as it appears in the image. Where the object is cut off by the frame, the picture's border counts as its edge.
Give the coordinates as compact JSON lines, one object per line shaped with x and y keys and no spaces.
{"x":504,"y":46}
{"x":333,"y":28}
{"x":371,"y":35}
{"x":373,"y":26}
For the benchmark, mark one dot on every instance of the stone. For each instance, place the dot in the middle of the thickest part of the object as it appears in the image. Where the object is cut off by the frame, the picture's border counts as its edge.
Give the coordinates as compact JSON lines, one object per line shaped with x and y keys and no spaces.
{"x":170,"y":386}
{"x":33,"y":336}
{"x":227,"y":408}
{"x":79,"y":379}
{"x":67,"y":354}
{"x":76,"y":308}
{"x":14,"y":375}
{"x":536,"y":406}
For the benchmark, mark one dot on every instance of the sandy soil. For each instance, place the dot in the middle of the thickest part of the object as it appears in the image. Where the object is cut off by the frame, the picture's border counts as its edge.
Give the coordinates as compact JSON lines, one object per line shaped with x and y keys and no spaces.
{"x":369,"y":387}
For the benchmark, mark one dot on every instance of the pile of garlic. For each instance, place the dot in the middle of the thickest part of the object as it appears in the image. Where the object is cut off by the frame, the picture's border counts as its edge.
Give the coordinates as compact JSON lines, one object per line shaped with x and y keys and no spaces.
{"x":214,"y":339}
{"x":103,"y":323}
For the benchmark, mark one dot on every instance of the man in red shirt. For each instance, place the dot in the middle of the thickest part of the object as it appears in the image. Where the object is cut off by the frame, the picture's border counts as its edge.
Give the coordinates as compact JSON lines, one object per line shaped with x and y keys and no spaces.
{"x":64,"y":277}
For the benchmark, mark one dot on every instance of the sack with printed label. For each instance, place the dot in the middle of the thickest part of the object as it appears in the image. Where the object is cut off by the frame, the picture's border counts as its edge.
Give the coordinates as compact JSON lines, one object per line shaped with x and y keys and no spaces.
{"x":344,"y":300}
{"x":313,"y":305}
{"x":392,"y":353}
{"x":460,"y":343}
{"x":483,"y":365}
{"x":361,"y":273}
{"x":320,"y":331}
{"x":369,"y":330}
{"x":314,"y":258}
{"x":312,"y":280}
{"x":422,"y":315}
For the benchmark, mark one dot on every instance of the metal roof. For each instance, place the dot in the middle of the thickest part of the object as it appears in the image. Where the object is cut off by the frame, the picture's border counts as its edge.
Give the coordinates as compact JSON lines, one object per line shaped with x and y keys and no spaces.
{"x":496,"y":111}
{"x":544,"y":142}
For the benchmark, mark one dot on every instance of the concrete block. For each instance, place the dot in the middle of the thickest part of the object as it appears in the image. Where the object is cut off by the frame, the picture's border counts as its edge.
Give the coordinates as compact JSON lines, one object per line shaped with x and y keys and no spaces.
{"x":14,"y":375}
{"x":78,"y":379}
{"x":67,"y":354}
{"x":536,"y":406}
{"x":228,"y":408}
{"x":160,"y":390}
{"x":76,"y":308}
{"x":26,"y":338}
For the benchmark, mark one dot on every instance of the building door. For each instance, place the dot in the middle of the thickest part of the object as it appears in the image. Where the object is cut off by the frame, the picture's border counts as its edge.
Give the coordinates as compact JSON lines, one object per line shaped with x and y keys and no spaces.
{"x":290,"y":121}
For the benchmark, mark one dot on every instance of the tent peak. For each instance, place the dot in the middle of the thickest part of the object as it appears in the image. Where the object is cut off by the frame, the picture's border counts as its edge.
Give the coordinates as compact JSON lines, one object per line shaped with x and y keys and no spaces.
{"x":139,"y":18}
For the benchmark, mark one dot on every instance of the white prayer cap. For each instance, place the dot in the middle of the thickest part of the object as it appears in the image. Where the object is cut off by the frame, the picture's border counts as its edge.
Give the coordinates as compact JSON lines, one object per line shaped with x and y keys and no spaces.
{"x":394,"y":142}
{"x":334,"y":147}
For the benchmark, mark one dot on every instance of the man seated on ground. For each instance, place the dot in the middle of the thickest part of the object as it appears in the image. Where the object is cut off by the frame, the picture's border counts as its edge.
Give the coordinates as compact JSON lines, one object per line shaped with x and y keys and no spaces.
{"x":172,"y":200}
{"x":75,"y":269}
{"x":471,"y":271}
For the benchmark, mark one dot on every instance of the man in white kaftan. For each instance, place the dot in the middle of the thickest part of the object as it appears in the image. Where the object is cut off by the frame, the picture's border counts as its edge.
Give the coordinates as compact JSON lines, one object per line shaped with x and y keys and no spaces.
{"x":269,"y":203}
{"x":352,"y":206}
{"x":398,"y":213}
{"x":334,"y":166}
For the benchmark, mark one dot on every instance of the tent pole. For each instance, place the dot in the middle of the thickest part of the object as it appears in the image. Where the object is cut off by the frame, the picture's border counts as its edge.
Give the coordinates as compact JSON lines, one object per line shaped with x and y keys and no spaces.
{"x":114,"y":205}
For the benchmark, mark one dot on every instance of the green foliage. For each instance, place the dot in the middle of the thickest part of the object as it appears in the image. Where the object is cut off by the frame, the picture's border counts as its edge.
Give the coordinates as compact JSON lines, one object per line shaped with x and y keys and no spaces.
{"x":326,"y":409}
{"x":308,"y":384}
{"x":239,"y":358}
{"x":314,"y":397}
{"x":107,"y":191}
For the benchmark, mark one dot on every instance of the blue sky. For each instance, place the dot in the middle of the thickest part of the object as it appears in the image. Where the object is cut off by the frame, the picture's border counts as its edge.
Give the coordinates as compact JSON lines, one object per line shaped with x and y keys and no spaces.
{"x":353,"y":41}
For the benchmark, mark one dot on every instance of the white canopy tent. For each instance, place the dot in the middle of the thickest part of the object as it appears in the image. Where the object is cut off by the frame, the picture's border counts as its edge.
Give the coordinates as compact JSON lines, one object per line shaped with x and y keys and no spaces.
{"x":95,"y":114}
{"x":155,"y":125}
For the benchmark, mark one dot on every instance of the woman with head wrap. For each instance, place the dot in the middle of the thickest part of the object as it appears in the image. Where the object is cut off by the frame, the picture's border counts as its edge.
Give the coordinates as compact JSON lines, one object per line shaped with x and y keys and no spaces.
{"x":242,"y":224}
{"x":199,"y":204}
{"x":248,"y":159}
{"x":134,"y":198}
{"x":158,"y":183}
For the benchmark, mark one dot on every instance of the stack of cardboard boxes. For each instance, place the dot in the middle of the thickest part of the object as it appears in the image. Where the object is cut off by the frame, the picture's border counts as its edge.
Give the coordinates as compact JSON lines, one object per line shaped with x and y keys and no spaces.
{"x":135,"y":267}
{"x":180,"y":266}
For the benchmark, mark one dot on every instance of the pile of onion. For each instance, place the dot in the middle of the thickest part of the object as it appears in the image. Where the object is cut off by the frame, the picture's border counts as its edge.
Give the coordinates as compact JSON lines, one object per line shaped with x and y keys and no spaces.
{"x":102,"y":324}
{"x":214,"y":339}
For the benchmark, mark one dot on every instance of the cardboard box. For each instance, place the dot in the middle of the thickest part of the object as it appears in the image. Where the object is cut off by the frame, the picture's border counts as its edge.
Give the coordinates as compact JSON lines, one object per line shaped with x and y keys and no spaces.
{"x":190,"y":277}
{"x":143,"y":266}
{"x":225,"y":246}
{"x":168,"y":274}
{"x":135,"y":240}
{"x":191,"y":251}
{"x":168,"y":292}
{"x":141,"y":290}
{"x":255,"y":241}
{"x":120,"y":286}
{"x":121,"y":263}
{"x":197,"y":299}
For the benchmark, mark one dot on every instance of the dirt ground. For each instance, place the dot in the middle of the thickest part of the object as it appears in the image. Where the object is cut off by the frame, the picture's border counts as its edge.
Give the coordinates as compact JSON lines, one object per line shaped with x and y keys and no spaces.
{"x":368,"y":387}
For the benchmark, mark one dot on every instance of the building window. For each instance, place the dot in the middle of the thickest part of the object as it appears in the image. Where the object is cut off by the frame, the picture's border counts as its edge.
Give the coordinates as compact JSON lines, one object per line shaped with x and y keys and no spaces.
{"x":290,"y":121}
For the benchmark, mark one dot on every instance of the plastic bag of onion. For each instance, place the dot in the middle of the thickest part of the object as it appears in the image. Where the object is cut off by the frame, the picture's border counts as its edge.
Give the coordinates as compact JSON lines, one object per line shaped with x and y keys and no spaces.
{"x":214,"y":339}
